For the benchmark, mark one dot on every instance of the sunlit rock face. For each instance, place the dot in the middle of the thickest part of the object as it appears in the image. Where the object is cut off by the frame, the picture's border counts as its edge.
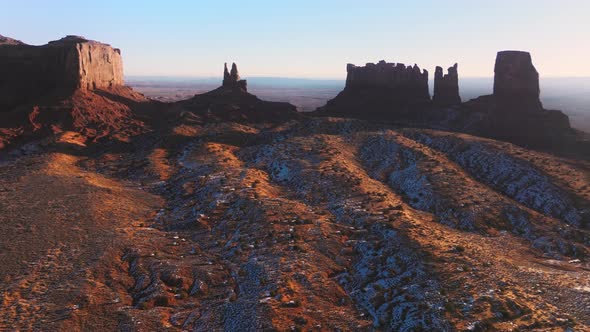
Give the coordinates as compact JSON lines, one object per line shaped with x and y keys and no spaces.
{"x":67,"y":64}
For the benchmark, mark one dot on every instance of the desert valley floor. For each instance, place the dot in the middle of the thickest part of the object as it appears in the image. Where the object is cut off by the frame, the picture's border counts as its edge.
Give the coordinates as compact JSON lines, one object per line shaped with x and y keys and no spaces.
{"x":316,"y":224}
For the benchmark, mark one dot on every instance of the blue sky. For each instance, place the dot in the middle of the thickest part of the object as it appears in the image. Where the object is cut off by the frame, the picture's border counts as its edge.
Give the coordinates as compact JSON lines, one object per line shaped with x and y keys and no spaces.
{"x":313,"y":38}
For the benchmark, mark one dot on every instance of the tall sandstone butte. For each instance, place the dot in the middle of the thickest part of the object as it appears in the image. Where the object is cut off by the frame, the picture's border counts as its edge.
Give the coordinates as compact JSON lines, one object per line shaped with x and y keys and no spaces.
{"x":515,"y":78}
{"x":70,"y":63}
{"x":446,"y":87}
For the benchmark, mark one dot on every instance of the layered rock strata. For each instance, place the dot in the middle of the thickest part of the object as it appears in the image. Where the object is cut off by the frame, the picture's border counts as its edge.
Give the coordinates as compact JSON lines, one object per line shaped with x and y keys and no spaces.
{"x":70,"y":63}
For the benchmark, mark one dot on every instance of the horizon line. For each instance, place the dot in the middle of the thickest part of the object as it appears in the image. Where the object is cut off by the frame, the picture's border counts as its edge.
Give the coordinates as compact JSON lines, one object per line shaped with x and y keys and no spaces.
{"x":307,"y":77}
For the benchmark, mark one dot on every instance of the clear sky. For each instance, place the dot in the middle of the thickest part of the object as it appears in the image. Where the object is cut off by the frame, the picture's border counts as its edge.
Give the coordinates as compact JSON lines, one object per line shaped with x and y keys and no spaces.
{"x":313,"y":38}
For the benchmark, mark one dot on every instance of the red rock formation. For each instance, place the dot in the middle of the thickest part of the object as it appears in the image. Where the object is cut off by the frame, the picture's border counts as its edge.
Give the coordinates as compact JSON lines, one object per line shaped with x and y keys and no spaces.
{"x":515,"y":76}
{"x":71,"y":84}
{"x":231,"y":80}
{"x":67,"y":64}
{"x":446,"y":87}
{"x":514,"y":111}
{"x":397,"y":78}
{"x":384,"y":91}
{"x":232,"y":102}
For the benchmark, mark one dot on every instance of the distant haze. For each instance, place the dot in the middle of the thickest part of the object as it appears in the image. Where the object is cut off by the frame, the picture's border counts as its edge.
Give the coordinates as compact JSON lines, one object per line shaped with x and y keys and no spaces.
{"x":571,"y":95}
{"x":314,"y":39}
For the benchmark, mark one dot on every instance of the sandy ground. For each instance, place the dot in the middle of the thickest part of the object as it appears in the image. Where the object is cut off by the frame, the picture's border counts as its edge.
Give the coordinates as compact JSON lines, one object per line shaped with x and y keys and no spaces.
{"x":329,"y":224}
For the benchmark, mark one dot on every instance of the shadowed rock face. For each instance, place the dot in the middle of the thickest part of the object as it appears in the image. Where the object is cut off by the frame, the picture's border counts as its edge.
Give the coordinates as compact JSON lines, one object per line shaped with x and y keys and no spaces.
{"x":515,"y":76}
{"x":383,"y":91}
{"x":231,"y":79}
{"x":397,"y":78}
{"x":232,"y":102}
{"x":446,"y":87}
{"x":386,"y":92}
{"x":514,"y":111}
{"x":71,"y":63}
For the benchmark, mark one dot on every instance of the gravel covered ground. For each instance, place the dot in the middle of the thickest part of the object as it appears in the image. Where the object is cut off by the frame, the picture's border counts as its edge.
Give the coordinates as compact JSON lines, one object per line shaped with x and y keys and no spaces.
{"x":318,"y":224}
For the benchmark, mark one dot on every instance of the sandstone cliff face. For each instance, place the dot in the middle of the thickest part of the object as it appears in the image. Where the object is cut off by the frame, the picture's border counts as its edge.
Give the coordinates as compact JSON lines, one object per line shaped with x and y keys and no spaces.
{"x":397,"y":78}
{"x":515,"y":76}
{"x":446,"y":87}
{"x":71,"y":63}
{"x":98,"y":66}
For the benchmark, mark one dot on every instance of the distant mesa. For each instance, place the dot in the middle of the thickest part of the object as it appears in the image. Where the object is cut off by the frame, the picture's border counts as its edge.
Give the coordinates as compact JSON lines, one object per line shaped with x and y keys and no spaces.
{"x":67,"y":64}
{"x":390,"y":90}
{"x":380,"y":90}
{"x":69,"y":84}
{"x":394,"y":93}
{"x":397,"y":79}
{"x":231,"y":79}
{"x":446,"y":87}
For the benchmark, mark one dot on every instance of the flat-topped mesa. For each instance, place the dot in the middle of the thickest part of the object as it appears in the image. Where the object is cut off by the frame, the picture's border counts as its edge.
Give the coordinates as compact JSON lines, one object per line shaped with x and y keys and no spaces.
{"x":92,"y":65}
{"x":409,"y":82}
{"x":231,"y":79}
{"x":446,"y":87}
{"x":67,"y":64}
{"x":516,"y":79}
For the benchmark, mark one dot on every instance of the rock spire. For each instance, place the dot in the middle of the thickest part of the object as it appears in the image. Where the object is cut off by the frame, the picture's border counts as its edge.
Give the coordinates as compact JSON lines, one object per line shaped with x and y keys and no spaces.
{"x":231,"y":79}
{"x":446,"y":87}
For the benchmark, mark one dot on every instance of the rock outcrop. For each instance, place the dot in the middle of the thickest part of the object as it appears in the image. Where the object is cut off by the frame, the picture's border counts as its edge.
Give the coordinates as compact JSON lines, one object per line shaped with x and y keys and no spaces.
{"x":231,"y":79}
{"x":232,"y":102}
{"x":515,"y":77}
{"x":386,"y":92}
{"x":9,"y":41}
{"x":72,"y":84}
{"x":514,"y":111}
{"x":446,"y":87}
{"x":380,"y":91}
{"x":397,"y":78}
{"x":71,"y":63}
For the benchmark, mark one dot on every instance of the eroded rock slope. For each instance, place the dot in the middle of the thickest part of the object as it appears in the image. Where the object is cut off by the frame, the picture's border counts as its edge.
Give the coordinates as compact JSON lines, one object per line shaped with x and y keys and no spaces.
{"x":315,"y":224}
